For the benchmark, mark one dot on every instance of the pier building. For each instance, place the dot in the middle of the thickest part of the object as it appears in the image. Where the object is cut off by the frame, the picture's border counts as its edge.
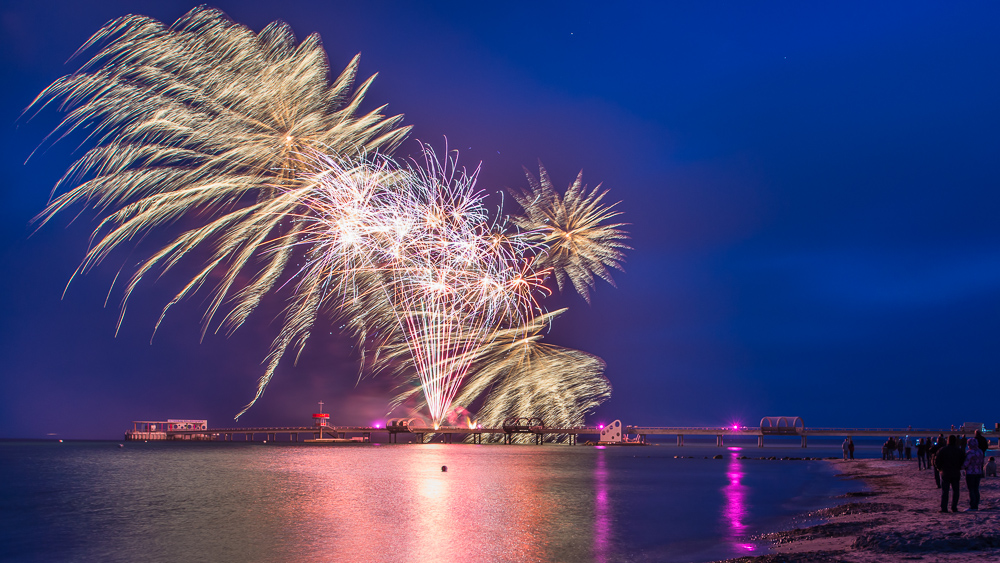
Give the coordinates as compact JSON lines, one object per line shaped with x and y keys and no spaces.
{"x":170,"y":429}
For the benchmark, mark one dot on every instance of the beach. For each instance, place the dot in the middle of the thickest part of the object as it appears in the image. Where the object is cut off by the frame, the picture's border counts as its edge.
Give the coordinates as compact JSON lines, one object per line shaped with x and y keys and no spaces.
{"x":893,"y":516}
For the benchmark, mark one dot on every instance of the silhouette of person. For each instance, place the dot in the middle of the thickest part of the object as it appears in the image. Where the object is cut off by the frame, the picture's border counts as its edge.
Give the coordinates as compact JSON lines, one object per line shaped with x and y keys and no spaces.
{"x":949,"y":462}
{"x":932,"y":451}
{"x":984,"y":444}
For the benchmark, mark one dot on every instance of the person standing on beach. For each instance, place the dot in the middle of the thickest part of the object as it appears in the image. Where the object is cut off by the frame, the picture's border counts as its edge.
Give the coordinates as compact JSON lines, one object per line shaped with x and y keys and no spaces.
{"x":921,"y":453}
{"x":899,"y":447}
{"x":949,"y":462}
{"x":932,"y":458}
{"x":991,"y":468}
{"x":973,"y":467}
{"x":984,"y":444}
{"x":846,"y":447}
{"x":909,"y":448}
{"x":850,"y":446}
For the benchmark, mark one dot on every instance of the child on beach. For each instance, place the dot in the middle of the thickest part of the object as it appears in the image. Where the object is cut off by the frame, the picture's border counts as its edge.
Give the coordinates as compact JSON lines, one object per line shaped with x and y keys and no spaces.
{"x":991,"y":468}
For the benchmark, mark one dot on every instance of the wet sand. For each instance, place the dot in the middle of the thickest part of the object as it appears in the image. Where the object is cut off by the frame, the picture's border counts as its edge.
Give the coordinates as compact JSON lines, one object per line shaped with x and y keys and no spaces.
{"x":893,"y":516}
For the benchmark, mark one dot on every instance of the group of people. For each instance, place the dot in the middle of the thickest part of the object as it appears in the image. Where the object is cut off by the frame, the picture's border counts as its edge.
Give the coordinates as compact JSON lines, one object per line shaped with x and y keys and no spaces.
{"x":949,"y":460}
{"x":893,"y":448}
{"x":848,"y":448}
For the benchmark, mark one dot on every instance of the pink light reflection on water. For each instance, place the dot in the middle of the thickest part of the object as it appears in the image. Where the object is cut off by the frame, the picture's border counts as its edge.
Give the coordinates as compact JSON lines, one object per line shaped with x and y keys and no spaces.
{"x":602,"y":510}
{"x":735,"y":510}
{"x":363,"y":505}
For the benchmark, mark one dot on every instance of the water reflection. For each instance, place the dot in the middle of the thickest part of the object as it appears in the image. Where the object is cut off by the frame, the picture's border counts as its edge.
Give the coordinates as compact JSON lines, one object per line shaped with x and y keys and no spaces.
{"x":602,"y":512}
{"x":160,"y":503}
{"x":404,"y":508}
{"x":735,"y":511}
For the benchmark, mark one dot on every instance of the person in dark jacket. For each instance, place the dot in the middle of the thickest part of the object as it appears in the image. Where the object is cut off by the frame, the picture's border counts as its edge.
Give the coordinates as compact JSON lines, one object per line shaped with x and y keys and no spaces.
{"x":949,"y":462}
{"x":984,"y":444}
{"x":921,"y":453}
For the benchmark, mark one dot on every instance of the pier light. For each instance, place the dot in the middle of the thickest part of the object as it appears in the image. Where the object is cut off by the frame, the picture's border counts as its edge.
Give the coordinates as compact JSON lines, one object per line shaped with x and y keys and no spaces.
{"x":600,"y":427}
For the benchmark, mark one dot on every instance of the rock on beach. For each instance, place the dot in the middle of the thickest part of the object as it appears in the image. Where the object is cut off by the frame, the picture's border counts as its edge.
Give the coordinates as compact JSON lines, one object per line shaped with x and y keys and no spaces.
{"x":894,"y":516}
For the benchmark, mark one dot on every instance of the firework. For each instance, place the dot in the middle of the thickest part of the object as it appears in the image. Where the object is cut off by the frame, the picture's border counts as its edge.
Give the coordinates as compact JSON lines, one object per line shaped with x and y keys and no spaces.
{"x":205,"y":120}
{"x":574,"y":229}
{"x":241,"y":136}
{"x":418,"y":245}
{"x":515,"y":373}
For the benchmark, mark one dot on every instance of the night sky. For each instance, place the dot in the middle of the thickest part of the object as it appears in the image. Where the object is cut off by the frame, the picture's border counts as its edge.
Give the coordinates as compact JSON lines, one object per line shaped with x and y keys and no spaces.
{"x":812,"y":192}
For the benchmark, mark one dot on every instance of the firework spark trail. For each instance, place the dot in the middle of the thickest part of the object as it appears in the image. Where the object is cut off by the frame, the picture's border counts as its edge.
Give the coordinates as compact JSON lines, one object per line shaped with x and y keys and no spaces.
{"x":205,"y":119}
{"x":515,"y":373}
{"x":461,"y":287}
{"x":451,"y":277}
{"x":574,"y":228}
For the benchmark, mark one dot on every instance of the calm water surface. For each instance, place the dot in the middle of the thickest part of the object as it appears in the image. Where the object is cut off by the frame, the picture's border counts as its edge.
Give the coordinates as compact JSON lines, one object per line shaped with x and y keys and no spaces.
{"x":94,"y":501}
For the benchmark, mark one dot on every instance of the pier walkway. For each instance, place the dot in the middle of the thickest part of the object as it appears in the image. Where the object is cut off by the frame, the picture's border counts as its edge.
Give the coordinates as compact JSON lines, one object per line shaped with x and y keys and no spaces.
{"x":450,"y":434}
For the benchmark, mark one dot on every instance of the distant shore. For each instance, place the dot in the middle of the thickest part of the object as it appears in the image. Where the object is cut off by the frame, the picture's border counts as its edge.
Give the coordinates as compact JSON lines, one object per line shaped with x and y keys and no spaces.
{"x":896,"y":519}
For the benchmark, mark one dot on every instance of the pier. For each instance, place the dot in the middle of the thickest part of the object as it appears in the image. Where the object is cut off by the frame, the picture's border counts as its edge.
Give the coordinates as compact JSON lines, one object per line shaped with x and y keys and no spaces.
{"x":612,"y":434}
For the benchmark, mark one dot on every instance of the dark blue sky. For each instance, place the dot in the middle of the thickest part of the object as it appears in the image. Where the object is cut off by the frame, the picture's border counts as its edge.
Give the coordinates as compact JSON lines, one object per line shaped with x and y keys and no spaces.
{"x":812,"y":192}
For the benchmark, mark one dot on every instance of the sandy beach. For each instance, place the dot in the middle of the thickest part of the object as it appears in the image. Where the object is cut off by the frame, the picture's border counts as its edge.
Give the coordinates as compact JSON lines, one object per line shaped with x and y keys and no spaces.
{"x":893,"y":516}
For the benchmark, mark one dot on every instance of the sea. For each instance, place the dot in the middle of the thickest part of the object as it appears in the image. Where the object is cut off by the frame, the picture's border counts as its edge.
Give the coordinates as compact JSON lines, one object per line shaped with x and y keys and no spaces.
{"x":275,"y":502}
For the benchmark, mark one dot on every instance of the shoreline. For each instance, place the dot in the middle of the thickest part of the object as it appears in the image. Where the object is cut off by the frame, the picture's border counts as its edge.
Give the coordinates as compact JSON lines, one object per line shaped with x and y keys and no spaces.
{"x":895,"y":518}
